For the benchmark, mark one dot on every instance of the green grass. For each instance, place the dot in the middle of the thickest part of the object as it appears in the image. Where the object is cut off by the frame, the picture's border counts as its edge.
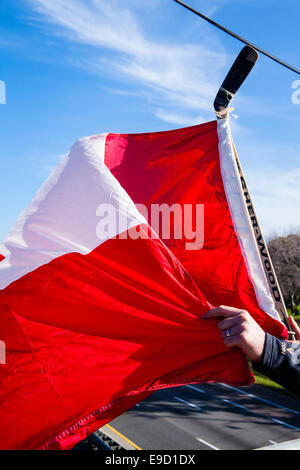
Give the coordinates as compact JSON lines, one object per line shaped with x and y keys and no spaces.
{"x":266,"y":382}
{"x":296,"y":314}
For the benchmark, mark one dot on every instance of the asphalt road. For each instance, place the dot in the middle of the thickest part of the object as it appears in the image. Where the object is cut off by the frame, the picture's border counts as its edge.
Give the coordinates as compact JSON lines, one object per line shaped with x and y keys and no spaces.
{"x":211,"y":417}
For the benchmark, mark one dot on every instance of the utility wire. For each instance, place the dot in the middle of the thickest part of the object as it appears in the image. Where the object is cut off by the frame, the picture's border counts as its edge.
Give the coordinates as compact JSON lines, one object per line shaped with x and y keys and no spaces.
{"x":222,"y":28}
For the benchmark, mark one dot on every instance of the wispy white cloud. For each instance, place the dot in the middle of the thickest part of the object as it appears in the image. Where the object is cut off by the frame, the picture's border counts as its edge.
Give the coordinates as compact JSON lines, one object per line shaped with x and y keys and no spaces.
{"x":184,"y":76}
{"x":179,"y":118}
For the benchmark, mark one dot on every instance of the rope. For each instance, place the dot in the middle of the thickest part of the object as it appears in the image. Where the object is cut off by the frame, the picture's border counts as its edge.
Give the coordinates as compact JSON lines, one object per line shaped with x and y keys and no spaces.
{"x":225,"y":30}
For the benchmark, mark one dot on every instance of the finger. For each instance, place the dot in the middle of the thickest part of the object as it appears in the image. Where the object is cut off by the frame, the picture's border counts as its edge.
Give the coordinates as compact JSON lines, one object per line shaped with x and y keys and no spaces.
{"x":295,"y":327}
{"x":233,"y":341}
{"x":222,"y":311}
{"x":234,"y":330}
{"x":229,"y":322}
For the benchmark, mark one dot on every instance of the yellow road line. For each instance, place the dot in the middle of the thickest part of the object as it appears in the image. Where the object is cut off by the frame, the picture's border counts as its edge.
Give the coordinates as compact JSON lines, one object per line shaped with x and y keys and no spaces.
{"x":123,"y":437}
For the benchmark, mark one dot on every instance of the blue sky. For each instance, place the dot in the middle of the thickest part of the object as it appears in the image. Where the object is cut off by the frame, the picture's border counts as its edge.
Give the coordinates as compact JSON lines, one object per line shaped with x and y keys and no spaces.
{"x":79,"y":67}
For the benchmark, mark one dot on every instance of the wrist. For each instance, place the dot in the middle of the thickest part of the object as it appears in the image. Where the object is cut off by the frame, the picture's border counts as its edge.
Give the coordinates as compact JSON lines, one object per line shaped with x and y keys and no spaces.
{"x":257,"y":353}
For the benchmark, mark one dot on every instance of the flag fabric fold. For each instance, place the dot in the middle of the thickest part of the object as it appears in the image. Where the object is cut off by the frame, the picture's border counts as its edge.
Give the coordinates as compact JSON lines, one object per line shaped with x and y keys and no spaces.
{"x":100,"y":306}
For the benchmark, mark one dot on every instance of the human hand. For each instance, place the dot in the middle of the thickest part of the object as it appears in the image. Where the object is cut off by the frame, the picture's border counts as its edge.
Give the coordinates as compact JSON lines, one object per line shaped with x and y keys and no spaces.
{"x":295,"y":327}
{"x":239,"y":329}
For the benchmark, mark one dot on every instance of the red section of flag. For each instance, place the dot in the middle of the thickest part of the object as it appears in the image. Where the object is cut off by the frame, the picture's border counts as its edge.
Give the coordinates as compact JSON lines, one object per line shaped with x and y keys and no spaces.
{"x":84,"y":331}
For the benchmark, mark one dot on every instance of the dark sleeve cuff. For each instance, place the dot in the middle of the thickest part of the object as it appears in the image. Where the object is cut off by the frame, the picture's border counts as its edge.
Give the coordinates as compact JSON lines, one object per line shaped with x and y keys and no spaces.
{"x":281,"y":363}
{"x":271,"y":352}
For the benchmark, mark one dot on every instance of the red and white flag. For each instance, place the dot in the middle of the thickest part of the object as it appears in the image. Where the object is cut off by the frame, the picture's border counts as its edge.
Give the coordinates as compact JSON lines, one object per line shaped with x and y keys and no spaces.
{"x":97,"y":309}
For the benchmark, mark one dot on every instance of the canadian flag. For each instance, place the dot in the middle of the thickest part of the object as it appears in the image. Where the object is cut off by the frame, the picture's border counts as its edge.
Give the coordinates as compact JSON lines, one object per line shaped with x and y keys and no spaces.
{"x":105,"y":277}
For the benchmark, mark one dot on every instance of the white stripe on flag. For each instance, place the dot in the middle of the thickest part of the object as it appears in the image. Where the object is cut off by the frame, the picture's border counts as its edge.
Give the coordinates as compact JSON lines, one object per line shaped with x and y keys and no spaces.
{"x":241,"y":220}
{"x":63,"y":216}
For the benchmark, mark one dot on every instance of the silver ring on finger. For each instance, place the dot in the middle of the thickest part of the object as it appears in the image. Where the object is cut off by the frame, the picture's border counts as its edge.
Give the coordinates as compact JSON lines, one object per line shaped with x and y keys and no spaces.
{"x":227,"y":333}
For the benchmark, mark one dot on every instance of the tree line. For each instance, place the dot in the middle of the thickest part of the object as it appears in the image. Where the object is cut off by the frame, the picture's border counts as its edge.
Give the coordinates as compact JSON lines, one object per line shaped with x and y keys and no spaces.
{"x":285,"y":254}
